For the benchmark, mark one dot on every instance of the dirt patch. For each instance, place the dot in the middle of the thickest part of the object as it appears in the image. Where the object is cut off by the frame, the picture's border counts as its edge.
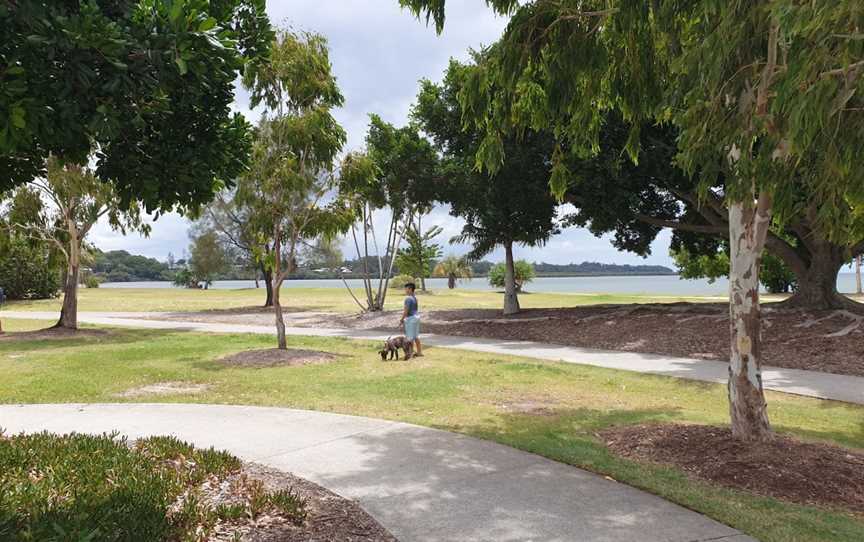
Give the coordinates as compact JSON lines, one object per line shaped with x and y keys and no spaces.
{"x":784,"y":468}
{"x":328,"y":517}
{"x":274,"y":357}
{"x":52,"y":333}
{"x":164,"y":388}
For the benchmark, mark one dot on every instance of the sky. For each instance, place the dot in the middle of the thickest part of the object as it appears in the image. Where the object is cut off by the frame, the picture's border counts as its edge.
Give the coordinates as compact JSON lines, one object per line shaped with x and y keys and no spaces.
{"x":379,"y":54}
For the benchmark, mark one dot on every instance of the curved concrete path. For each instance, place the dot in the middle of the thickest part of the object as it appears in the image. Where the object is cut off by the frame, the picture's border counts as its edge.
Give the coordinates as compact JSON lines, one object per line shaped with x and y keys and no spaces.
{"x":796,"y":381}
{"x":421,"y":484}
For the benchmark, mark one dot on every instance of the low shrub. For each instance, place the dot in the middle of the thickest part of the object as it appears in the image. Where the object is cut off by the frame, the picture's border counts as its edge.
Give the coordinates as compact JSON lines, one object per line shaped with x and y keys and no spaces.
{"x":88,"y":488}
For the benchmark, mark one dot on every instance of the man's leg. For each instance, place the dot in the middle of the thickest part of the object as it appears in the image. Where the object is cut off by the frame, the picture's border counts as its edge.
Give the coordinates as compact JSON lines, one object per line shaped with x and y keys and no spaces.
{"x":418,"y":349}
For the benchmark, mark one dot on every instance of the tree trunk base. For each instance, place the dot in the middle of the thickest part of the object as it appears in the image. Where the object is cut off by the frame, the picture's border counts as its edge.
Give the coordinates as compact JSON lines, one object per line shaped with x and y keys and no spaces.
{"x":826,"y":302}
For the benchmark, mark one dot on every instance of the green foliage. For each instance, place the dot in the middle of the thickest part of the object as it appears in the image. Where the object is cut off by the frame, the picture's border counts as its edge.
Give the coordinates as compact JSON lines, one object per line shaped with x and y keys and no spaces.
{"x":207,"y":258}
{"x":524,"y":273}
{"x":148,"y":83}
{"x":120,"y":266}
{"x":774,"y":274}
{"x":418,"y":257}
{"x":399,"y":281}
{"x":455,"y":269}
{"x":184,"y":278}
{"x":512,"y":206}
{"x":26,"y":270}
{"x":81,"y":487}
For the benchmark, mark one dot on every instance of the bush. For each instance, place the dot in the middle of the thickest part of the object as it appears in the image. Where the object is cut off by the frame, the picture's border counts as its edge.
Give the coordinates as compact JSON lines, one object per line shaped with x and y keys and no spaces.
{"x":399,"y":281}
{"x":81,"y":487}
{"x":92,"y":281}
{"x":524,"y":274}
{"x":26,"y":272}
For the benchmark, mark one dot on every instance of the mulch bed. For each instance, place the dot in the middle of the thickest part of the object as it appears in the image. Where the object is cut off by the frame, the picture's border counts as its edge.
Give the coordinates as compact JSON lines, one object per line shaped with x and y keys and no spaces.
{"x":274,"y":357}
{"x":329,"y":516}
{"x":784,"y":468}
{"x":830,"y":341}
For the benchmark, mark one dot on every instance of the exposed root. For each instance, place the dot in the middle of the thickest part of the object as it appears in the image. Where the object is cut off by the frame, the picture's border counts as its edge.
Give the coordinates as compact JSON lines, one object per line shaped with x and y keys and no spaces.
{"x":856,"y":322}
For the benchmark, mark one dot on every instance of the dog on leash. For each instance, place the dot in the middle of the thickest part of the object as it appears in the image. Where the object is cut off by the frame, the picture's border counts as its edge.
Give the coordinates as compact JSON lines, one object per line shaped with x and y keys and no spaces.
{"x":392,"y":346}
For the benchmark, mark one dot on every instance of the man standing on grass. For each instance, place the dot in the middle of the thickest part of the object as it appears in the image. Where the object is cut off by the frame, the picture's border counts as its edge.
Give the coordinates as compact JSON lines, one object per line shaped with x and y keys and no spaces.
{"x":411,"y":318}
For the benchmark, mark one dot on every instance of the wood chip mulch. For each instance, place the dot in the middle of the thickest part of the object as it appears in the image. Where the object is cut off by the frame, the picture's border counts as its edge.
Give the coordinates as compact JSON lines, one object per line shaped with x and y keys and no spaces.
{"x":274,"y":357}
{"x":784,"y":468}
{"x":330,"y":518}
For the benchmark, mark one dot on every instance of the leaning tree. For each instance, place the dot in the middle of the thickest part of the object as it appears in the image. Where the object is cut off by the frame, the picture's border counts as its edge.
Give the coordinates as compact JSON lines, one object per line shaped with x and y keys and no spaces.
{"x":766,"y":94}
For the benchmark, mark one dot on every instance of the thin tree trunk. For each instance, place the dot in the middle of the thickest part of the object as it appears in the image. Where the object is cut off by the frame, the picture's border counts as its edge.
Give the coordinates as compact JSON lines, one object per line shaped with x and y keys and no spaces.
{"x":858,"y":275}
{"x":277,"y":284}
{"x":451,"y":281}
{"x":268,"y":285}
{"x":511,"y":299}
{"x":748,"y":227}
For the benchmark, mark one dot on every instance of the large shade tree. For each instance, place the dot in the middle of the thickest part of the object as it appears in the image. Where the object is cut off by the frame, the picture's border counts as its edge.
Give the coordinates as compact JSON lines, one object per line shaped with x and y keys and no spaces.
{"x":515,"y":205}
{"x":634,"y":201}
{"x":294,"y":152}
{"x":766,"y":94}
{"x":145,"y":84}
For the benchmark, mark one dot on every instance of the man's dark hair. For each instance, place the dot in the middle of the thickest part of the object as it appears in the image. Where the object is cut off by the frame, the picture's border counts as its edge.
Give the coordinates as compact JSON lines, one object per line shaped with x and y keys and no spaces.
{"x":411,"y":285}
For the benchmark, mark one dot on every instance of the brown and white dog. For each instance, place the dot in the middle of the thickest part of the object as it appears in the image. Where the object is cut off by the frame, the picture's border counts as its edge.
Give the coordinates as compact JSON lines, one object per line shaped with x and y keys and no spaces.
{"x":392,"y":346}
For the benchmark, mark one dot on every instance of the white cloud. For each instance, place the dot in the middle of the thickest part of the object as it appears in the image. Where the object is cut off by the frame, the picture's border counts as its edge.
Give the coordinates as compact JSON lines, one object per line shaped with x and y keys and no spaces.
{"x":379,"y":53}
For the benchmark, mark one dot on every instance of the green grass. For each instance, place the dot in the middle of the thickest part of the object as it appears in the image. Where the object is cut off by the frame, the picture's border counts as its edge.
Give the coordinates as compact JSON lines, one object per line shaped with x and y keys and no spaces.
{"x":317,"y":299}
{"x":472,"y":393}
{"x":54,"y":488}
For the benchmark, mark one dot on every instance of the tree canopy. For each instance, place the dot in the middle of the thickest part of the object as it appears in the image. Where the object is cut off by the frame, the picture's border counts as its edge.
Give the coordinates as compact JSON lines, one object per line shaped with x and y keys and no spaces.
{"x":146,"y":85}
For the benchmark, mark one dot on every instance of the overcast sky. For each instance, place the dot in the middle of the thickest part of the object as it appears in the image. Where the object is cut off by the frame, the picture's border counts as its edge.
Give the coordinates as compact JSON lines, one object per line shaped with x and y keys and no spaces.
{"x":379,"y":53}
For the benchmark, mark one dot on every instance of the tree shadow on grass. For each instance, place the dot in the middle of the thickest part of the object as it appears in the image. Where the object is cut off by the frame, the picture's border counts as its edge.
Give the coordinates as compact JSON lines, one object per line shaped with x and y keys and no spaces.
{"x":512,"y":495}
{"x":103,"y":336}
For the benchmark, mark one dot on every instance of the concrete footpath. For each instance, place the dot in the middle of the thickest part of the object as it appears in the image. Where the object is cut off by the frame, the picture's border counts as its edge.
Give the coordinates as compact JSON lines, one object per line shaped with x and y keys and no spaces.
{"x":421,"y":484}
{"x":796,"y":381}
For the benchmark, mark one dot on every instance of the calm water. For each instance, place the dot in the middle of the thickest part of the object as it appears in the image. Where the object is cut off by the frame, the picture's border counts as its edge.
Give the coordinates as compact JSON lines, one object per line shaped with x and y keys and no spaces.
{"x":656,"y":285}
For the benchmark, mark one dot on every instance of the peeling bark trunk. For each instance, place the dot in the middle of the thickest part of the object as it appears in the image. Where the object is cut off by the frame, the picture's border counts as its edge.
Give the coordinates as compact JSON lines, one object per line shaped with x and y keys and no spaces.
{"x":277,"y":284}
{"x":858,"y":275}
{"x":748,"y":411}
{"x":511,"y":299}
{"x":69,"y":311}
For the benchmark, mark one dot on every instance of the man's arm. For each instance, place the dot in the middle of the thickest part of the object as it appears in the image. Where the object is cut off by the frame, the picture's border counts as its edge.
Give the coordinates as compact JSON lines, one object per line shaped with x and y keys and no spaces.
{"x":404,"y":312}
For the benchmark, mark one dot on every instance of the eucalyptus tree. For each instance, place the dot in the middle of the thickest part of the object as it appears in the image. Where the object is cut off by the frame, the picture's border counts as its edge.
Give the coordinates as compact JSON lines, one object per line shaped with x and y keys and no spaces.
{"x":514,"y":205}
{"x":294,"y":152}
{"x":395,"y":175}
{"x":765,"y":93}
{"x":146,"y":83}
{"x":63,"y":208}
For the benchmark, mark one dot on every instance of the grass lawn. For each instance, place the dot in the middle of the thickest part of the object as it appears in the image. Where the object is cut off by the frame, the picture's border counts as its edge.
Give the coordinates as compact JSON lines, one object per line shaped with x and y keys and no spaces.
{"x":317,"y":299}
{"x":547,"y":408}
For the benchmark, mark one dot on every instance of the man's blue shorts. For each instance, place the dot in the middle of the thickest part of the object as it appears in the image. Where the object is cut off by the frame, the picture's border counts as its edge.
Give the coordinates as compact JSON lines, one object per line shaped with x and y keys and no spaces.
{"x":412,"y":327}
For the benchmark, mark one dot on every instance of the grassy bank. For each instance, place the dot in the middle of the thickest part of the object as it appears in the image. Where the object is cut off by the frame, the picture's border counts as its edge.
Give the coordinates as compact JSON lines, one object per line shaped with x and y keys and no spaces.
{"x":318,"y":299}
{"x":551,"y":409}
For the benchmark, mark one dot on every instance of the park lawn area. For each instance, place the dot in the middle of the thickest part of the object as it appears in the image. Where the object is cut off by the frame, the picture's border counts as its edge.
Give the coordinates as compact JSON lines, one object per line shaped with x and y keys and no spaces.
{"x":552,"y":409}
{"x":317,"y":299}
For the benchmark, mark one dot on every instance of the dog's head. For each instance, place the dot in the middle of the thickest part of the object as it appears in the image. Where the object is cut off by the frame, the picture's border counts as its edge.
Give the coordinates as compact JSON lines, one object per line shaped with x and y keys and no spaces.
{"x":383,"y":353}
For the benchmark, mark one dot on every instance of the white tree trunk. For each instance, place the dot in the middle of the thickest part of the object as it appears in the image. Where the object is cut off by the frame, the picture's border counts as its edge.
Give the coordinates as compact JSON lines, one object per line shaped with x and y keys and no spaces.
{"x":69,"y":310}
{"x":858,"y":289}
{"x":511,"y":298}
{"x":748,"y":228}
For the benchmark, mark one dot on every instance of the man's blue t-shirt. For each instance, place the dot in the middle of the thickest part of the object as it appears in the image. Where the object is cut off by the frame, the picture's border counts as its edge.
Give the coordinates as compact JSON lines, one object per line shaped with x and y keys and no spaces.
{"x":411,"y":305}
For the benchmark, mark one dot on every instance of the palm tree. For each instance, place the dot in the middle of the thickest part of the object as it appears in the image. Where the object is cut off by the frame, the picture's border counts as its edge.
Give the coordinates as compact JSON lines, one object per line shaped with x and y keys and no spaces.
{"x":453,"y":268}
